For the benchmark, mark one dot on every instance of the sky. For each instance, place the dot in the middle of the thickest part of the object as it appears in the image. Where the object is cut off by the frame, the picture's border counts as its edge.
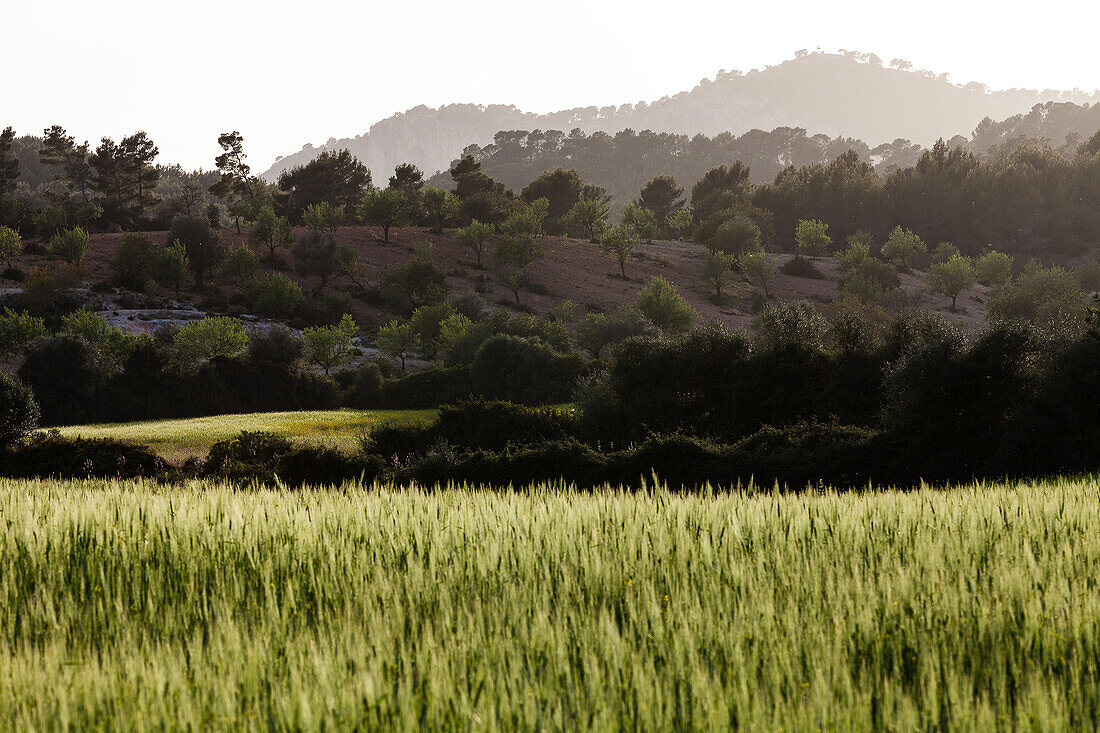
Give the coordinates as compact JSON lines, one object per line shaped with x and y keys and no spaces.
{"x":288,"y":73}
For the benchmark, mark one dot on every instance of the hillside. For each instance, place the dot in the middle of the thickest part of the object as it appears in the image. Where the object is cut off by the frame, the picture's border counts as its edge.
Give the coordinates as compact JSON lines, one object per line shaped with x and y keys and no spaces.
{"x":832,"y":94}
{"x":573,"y":270}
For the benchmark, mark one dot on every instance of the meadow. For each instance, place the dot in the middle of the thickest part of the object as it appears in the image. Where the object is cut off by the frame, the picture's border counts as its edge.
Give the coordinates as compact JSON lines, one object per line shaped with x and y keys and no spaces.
{"x":177,"y":440}
{"x":134,"y":606}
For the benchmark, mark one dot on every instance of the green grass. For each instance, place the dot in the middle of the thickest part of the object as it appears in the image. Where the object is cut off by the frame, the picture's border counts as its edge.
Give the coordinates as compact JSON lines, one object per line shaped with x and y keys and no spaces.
{"x":177,"y":440}
{"x":137,"y":606}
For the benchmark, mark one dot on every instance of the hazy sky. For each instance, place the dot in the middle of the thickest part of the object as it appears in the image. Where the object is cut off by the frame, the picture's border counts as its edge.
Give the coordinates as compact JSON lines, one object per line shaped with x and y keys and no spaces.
{"x":287,"y":73}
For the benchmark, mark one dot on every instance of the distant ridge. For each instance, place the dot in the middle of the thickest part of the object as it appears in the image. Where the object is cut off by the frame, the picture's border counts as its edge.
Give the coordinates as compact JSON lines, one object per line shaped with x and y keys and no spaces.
{"x":847,"y":94}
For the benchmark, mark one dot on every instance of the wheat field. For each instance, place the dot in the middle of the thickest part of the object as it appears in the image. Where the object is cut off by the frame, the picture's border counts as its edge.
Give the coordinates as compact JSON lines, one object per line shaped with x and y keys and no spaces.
{"x":138,"y":606}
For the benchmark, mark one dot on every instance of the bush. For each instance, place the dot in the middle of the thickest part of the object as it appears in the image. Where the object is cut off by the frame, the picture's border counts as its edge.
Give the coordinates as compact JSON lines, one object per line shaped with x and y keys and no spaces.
{"x":518,"y":370}
{"x":132,"y":265}
{"x":51,"y":456}
{"x":665,"y":307}
{"x":597,"y":331}
{"x":407,"y":287}
{"x":494,"y":425}
{"x":427,"y":389}
{"x":322,"y":466}
{"x":18,"y":411}
{"x":274,"y":295}
{"x":801,"y":267}
{"x":69,"y":246}
{"x":793,"y":323}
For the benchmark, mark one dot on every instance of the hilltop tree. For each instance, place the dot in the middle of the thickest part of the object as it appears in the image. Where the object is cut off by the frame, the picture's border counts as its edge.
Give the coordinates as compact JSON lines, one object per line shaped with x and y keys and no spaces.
{"x":336,"y":177}
{"x":10,"y":246}
{"x":718,"y":271}
{"x":902,"y":246}
{"x":201,"y":243}
{"x":235,"y":183}
{"x":270,"y":230}
{"x":665,"y":308}
{"x":59,"y":149}
{"x":399,"y":340}
{"x":138,"y":153}
{"x":384,"y":207}
{"x":590,"y":216}
{"x":316,"y":255}
{"x":640,"y":221}
{"x":661,"y":195}
{"x":409,"y":180}
{"x":951,"y":277}
{"x":680,"y":222}
{"x":9,"y":168}
{"x":514,"y":255}
{"x":329,"y":346}
{"x":439,"y":206}
{"x":757,"y":266}
{"x":475,"y":236}
{"x":619,"y":242}
{"x":324,"y":217}
{"x":812,"y":238}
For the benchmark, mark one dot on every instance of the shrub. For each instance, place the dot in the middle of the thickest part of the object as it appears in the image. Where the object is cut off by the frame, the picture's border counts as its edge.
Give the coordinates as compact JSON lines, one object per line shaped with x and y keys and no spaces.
{"x":902,"y":246}
{"x":52,"y":456}
{"x":208,"y":338}
{"x":10,"y":245}
{"x":812,"y":237}
{"x":18,"y":331}
{"x":597,"y":331}
{"x":274,"y":295}
{"x":323,"y":466}
{"x":407,"y":287}
{"x":132,"y":265}
{"x":660,"y":302}
{"x":793,"y":323}
{"x":801,"y":267}
{"x":240,"y":264}
{"x":316,"y":255}
{"x":18,"y":411}
{"x":519,"y":370}
{"x":993,"y":268}
{"x":69,"y":246}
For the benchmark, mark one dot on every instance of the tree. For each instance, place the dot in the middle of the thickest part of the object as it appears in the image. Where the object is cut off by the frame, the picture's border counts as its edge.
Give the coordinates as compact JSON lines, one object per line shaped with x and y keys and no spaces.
{"x":662,"y":196}
{"x":718,"y":271}
{"x":202,"y":244}
{"x":316,"y":255}
{"x":409,"y":180}
{"x":902,"y":246}
{"x":951,"y":277}
{"x":270,"y":230}
{"x":562,"y":189}
{"x":619,"y":242}
{"x":514,"y":254}
{"x":757,"y":266}
{"x":680,"y":221}
{"x":944,"y":251}
{"x":734,"y":236}
{"x":384,"y":207}
{"x":69,"y":246}
{"x":235,"y":183}
{"x":348,"y":265}
{"x":336,"y":177}
{"x":476,"y":237}
{"x":590,"y":216}
{"x":811,"y":237}
{"x":324,"y":217}
{"x":398,"y":339}
{"x":110,"y":344}
{"x":993,"y":268}
{"x":170,"y":266}
{"x":640,"y":220}
{"x":138,"y":153}
{"x":18,"y":331}
{"x":426,"y":321}
{"x":10,"y":245}
{"x":59,"y":149}
{"x":9,"y":168}
{"x":329,"y":346}
{"x":666,"y":309}
{"x":210,"y":338}
{"x":239,"y":264}
{"x":439,"y":206}
{"x":718,"y":189}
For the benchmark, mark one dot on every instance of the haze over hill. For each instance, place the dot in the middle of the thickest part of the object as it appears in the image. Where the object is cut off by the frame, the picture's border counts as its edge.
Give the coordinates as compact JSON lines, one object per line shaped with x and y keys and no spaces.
{"x":853,"y":95}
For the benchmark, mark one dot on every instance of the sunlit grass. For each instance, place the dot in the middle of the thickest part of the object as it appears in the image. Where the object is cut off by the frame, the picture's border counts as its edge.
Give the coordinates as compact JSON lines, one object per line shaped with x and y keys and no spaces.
{"x":136,"y":606}
{"x":177,"y":440}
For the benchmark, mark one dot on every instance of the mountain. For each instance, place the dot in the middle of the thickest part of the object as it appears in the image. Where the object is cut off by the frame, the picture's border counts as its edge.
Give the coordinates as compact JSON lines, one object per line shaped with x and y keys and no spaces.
{"x":849,"y":94}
